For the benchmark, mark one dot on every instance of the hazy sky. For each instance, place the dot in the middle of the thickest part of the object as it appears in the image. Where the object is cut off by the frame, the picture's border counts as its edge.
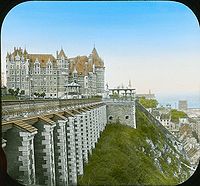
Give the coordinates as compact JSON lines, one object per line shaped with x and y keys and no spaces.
{"x":156,"y":45}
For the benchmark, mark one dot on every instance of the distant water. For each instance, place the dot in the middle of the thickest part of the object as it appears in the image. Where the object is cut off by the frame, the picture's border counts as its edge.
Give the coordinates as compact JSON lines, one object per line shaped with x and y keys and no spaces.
{"x":193,"y":100}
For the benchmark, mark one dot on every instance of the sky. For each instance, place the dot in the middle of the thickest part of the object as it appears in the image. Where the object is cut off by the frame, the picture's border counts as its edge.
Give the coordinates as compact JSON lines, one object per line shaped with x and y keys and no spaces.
{"x":155,"y":45}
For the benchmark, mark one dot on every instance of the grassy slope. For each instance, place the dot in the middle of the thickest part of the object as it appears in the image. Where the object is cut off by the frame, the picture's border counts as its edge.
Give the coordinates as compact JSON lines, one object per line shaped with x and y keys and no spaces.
{"x":9,"y":97}
{"x":123,"y":157}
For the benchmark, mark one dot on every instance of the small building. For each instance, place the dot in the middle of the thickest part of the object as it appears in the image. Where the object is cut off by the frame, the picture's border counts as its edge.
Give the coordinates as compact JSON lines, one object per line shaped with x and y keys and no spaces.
{"x":73,"y":91}
{"x":156,"y":114}
{"x":165,"y":119}
{"x":183,"y":121}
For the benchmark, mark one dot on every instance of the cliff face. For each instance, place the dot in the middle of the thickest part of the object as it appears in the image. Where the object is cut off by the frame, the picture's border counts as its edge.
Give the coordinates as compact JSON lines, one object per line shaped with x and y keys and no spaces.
{"x":146,"y":155}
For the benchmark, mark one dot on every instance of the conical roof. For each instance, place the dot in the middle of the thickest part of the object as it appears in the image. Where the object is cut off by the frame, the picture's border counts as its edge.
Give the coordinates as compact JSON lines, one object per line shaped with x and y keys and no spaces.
{"x":94,"y":53}
{"x":62,"y":53}
{"x":96,"y":59}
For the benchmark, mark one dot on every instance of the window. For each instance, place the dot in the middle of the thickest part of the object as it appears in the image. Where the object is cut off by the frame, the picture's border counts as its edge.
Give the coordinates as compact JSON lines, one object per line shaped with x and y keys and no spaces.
{"x":110,"y":117}
{"x":37,"y":67}
{"x":126,"y":117}
{"x":49,"y":67}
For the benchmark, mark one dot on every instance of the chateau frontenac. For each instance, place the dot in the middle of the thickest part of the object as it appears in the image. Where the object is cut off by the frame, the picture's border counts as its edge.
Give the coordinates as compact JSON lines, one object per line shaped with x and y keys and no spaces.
{"x":55,"y":77}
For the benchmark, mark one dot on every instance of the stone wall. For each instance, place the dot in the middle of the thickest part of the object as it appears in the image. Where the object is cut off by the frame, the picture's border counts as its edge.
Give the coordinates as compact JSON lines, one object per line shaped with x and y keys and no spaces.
{"x":20,"y":155}
{"x":121,"y":112}
{"x":58,"y":149}
{"x":44,"y":154}
{"x":60,"y":153}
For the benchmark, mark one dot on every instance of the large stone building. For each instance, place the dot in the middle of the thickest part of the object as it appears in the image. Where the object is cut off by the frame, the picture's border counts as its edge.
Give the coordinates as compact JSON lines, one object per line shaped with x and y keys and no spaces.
{"x":88,"y":72}
{"x":44,"y":73}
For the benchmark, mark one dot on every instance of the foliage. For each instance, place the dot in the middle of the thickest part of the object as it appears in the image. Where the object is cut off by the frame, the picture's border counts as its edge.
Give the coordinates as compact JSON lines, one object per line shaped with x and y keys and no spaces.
{"x":22,"y":92}
{"x":148,"y":103}
{"x":9,"y":97}
{"x":37,"y":94}
{"x":14,"y":92}
{"x":118,"y":158}
{"x":114,"y":96}
{"x":42,"y":94}
{"x":175,"y":115}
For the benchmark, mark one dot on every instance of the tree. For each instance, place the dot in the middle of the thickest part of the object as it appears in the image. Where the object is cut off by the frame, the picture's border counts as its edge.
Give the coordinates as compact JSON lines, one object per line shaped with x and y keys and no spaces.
{"x":11,"y":91}
{"x":16,"y":92}
{"x":175,"y":115}
{"x":148,"y":103}
{"x":22,"y":92}
{"x":115,"y":95}
{"x":36,"y":94}
{"x":43,"y":95}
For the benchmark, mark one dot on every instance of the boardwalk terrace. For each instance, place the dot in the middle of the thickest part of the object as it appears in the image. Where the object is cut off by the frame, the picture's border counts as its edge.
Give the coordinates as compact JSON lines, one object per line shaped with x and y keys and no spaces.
{"x":50,"y":148}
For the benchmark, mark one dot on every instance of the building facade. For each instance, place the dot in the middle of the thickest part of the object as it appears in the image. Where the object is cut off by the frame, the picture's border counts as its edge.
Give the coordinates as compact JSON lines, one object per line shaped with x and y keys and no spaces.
{"x":49,"y":75}
{"x":182,"y":105}
{"x":88,"y":72}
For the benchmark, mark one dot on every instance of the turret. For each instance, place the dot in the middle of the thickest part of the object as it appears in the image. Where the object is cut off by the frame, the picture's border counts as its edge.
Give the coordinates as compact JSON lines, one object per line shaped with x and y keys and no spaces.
{"x":61,"y":54}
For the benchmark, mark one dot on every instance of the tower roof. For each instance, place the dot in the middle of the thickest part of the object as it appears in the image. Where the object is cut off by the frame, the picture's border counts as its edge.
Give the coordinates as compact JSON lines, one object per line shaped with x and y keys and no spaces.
{"x":81,"y":65}
{"x":96,"y":59}
{"x":94,"y":53}
{"x":42,"y":58}
{"x":62,"y":53}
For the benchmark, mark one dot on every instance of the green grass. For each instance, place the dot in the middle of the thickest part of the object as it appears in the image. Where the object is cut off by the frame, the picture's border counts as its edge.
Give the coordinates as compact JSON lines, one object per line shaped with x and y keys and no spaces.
{"x":9,"y":97}
{"x":118,"y":158}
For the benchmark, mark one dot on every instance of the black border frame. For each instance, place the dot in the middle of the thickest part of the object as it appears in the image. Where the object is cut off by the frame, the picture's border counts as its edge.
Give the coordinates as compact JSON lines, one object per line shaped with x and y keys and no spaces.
{"x":7,"y":5}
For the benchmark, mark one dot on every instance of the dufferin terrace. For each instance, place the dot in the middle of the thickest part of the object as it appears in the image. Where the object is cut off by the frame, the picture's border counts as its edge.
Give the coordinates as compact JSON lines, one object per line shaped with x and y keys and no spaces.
{"x":51,"y":132}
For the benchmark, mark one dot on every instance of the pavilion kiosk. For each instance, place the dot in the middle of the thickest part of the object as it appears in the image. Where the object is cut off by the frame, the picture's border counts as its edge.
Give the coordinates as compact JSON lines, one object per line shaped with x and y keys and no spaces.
{"x":73,"y":91}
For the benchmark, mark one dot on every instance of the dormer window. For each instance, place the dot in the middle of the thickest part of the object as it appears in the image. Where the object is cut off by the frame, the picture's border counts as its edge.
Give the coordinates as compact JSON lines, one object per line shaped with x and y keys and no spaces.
{"x":17,"y":57}
{"x":22,"y":58}
{"x":62,"y":57}
{"x":49,"y":67}
{"x":12,"y":59}
{"x":37,"y":67}
{"x":63,"y":63}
